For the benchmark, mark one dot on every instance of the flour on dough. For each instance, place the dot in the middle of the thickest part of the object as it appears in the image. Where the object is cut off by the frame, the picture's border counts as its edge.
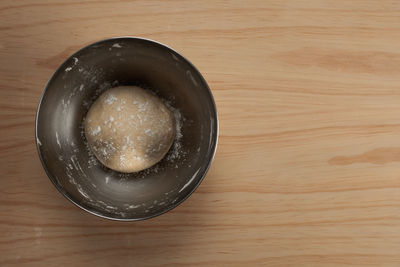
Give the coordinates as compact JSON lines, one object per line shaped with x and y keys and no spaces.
{"x":129,"y":129}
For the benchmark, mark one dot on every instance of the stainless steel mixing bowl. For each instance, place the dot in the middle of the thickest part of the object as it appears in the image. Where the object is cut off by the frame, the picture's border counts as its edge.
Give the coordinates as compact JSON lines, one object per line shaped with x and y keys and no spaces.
{"x":67,"y":159}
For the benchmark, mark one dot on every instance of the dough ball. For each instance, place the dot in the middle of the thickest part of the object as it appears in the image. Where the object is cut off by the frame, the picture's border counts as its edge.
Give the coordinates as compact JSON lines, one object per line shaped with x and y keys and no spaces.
{"x":129,"y":129}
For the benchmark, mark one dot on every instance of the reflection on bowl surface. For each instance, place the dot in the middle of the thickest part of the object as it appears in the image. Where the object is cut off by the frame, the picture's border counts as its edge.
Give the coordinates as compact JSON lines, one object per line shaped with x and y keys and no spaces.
{"x":63,"y":149}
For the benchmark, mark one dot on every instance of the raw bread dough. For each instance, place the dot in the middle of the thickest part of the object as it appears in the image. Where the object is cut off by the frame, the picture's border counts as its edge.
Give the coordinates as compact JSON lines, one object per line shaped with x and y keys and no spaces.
{"x":129,"y":129}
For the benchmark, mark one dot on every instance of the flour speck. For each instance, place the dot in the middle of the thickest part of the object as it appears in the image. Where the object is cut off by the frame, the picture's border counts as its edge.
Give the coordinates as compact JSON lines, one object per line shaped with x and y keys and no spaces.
{"x":110,"y":98}
{"x":96,"y":131}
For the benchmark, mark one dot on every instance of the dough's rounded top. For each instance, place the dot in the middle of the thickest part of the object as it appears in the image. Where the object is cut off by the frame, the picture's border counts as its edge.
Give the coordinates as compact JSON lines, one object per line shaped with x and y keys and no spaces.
{"x":129,"y":129}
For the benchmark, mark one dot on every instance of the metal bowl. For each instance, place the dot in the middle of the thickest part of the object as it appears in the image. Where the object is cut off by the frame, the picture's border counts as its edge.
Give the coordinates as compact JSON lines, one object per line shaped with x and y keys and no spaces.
{"x":64,"y":152}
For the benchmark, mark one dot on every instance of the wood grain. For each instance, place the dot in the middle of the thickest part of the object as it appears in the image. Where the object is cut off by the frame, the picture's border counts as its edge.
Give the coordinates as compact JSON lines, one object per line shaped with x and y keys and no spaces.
{"x":307,"y":171}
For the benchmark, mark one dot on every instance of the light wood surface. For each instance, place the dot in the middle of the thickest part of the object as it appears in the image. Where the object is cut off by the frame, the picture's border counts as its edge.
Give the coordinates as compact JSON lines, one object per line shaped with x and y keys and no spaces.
{"x":307,"y":171}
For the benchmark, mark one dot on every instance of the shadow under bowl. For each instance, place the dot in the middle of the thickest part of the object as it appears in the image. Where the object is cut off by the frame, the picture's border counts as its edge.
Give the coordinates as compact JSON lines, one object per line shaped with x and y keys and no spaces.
{"x":63,"y":149}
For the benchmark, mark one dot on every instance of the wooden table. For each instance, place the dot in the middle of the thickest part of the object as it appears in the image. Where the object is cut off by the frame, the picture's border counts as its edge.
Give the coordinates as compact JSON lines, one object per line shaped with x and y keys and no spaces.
{"x":307,"y":171}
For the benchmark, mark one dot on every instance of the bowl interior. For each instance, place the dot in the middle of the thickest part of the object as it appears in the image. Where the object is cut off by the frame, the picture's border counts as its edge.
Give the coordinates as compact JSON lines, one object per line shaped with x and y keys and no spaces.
{"x":64,"y":151}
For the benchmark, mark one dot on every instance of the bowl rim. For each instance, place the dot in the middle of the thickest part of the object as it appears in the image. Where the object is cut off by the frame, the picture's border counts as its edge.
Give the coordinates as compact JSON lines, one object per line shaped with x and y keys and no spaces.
{"x":174,"y":205}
